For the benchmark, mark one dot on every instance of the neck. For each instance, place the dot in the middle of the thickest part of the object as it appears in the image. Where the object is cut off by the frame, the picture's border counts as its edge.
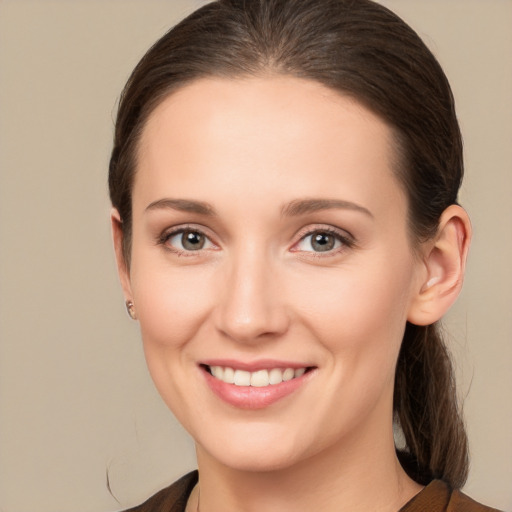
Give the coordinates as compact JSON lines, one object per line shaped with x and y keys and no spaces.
{"x":355,"y":475}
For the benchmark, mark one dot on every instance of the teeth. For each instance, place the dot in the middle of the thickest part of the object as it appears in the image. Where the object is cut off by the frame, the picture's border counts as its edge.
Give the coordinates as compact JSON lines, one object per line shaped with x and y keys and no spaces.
{"x":217,"y":372}
{"x":275,"y":376}
{"x":258,"y":379}
{"x":229,"y":375}
{"x":299,"y":372}
{"x":242,"y":378}
{"x":288,"y":374}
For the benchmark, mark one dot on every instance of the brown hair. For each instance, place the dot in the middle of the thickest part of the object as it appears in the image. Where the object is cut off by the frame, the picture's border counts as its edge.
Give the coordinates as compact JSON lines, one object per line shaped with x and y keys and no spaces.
{"x":361,"y":49}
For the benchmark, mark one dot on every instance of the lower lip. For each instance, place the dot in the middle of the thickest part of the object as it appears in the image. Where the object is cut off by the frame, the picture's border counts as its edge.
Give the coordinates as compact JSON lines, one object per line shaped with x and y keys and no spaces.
{"x":250,"y":397}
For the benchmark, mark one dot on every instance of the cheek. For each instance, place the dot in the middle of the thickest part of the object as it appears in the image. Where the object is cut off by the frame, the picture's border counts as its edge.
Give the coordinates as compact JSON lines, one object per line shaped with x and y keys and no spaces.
{"x":359,"y":317}
{"x":172,"y":306}
{"x":171,"y":303}
{"x":358,"y":309}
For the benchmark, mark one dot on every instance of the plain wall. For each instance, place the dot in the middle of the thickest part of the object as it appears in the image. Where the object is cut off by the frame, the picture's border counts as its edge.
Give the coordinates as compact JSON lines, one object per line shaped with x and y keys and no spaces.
{"x":76,"y":402}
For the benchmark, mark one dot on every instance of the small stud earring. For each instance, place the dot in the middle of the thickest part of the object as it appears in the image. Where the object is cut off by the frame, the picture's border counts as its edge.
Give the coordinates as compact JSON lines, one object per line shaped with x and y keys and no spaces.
{"x":131,"y":309}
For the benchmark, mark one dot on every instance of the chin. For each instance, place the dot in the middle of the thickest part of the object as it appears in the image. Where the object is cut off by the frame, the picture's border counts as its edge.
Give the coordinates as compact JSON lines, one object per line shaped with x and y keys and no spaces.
{"x":259,"y":448}
{"x":255,"y":461}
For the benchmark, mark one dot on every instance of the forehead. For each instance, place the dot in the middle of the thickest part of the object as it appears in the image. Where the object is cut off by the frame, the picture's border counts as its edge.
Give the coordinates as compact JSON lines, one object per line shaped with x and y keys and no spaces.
{"x":252,"y":135}
{"x":220,"y":103}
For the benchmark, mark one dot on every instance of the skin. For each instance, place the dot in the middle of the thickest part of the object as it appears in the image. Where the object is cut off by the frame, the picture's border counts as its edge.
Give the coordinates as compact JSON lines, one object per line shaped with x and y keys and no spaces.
{"x":258,"y":289}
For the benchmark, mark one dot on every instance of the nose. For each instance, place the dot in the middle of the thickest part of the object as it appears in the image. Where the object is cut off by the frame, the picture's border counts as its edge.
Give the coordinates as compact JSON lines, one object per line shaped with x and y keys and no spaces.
{"x":251,"y":306}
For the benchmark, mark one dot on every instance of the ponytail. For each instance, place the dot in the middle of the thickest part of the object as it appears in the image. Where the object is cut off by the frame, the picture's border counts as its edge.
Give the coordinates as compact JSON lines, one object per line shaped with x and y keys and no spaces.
{"x":427,"y":410}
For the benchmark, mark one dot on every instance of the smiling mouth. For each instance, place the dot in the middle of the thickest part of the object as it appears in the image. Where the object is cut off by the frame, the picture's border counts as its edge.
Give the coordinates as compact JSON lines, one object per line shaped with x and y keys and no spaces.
{"x":257,"y":379}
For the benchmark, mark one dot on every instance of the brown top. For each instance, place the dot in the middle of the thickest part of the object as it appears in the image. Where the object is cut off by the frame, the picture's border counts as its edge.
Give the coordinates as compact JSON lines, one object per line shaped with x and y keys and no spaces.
{"x":438,"y":497}
{"x":435,"y":497}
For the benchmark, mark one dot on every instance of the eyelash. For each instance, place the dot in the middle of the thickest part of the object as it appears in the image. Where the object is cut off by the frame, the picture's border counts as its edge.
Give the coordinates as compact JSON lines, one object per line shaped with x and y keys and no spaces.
{"x":164,"y":238}
{"x":346,"y":240}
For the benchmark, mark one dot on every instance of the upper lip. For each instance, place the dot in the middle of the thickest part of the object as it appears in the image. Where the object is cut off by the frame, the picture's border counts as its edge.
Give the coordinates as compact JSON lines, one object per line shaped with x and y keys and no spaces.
{"x":252,"y":366}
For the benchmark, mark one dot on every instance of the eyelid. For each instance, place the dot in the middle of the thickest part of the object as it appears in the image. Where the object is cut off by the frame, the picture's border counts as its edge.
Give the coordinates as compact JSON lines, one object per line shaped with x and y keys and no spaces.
{"x":169,"y":232}
{"x":346,"y":238}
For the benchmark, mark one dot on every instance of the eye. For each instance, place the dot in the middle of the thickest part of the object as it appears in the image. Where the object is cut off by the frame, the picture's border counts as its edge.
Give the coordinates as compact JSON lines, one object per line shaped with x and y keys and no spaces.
{"x":187,"y":240}
{"x":322,"y":240}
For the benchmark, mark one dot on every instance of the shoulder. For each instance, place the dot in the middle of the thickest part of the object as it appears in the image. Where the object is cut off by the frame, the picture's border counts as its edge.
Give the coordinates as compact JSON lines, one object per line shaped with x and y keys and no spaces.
{"x":438,"y":497}
{"x":459,"y":502}
{"x":172,"y":499}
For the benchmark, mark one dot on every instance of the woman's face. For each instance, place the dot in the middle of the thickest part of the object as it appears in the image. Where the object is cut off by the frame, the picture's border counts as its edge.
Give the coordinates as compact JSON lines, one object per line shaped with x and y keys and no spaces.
{"x":270,"y":241}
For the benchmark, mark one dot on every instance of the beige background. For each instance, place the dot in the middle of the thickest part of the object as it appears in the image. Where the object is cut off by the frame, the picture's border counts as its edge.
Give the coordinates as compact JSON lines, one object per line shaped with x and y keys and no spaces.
{"x":76,"y":401}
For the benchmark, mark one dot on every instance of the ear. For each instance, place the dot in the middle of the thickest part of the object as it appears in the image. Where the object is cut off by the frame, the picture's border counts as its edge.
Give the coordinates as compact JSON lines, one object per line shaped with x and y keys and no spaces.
{"x":444,"y":261}
{"x":122,"y":267}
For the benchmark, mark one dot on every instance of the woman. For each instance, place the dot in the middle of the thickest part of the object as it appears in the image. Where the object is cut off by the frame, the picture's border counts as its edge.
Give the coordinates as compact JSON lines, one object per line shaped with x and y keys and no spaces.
{"x":284,"y":181}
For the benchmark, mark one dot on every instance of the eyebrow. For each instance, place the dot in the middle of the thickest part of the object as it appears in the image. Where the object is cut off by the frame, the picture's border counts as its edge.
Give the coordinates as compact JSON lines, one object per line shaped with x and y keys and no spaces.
{"x":304,"y":206}
{"x":293,"y":209}
{"x":183,"y":205}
